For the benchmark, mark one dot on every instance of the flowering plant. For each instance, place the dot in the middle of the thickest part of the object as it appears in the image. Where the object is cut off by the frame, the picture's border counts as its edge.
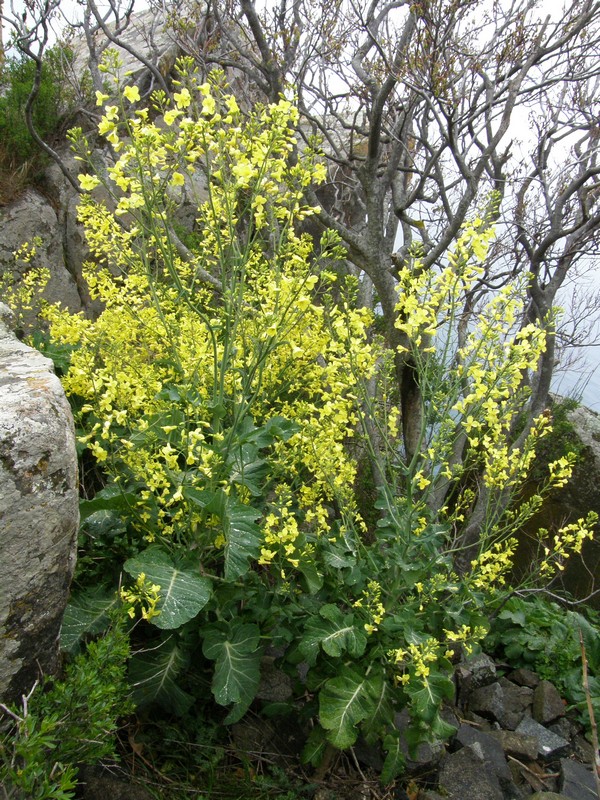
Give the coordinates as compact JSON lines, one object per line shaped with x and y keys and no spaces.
{"x":228,"y":389}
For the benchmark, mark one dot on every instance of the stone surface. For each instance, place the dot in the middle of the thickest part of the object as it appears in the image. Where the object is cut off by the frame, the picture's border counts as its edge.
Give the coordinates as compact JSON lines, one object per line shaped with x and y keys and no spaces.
{"x":465,"y":775}
{"x":517,"y":744}
{"x":275,"y":686}
{"x":548,"y":705}
{"x":488,"y":701}
{"x":475,"y":672}
{"x":425,"y":756}
{"x":524,"y":677}
{"x":39,"y":513}
{"x":29,"y":217}
{"x":576,"y":782}
{"x":517,"y":702}
{"x":503,"y":702}
{"x":490,"y":746}
{"x":100,"y":783}
{"x":549,"y":744}
{"x":548,"y":796}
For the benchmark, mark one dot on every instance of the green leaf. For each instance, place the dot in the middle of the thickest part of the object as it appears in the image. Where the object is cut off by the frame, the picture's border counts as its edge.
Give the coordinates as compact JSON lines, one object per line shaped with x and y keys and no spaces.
{"x":153,"y":674}
{"x":237,"y":668}
{"x":339,"y":559}
{"x":315,"y":746}
{"x":394,"y":761}
{"x":86,"y":614}
{"x":311,"y":575}
{"x":381,"y":713}
{"x":112,"y":498}
{"x":346,"y":701}
{"x":426,"y":700}
{"x":335,"y":632}
{"x":183,"y":593}
{"x":242,"y":538}
{"x":250,"y":474}
{"x":275,"y":428}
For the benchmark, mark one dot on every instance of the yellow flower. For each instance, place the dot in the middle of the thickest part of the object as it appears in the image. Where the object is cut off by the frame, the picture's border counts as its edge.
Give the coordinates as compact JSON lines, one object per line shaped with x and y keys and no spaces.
{"x":182,"y":98}
{"x":88,"y":182}
{"x":132,"y":93}
{"x":171,"y":115}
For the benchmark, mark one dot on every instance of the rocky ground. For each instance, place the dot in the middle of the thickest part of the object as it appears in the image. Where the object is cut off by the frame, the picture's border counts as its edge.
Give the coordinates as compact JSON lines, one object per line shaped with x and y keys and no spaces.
{"x":515,"y":739}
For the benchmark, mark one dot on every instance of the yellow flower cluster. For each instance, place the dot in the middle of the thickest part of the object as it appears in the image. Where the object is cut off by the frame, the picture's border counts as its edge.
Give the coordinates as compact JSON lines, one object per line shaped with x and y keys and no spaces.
{"x":143,"y":594}
{"x":415,"y":659}
{"x":568,"y":540}
{"x":166,"y":351}
{"x":490,"y":567}
{"x":371,"y":603}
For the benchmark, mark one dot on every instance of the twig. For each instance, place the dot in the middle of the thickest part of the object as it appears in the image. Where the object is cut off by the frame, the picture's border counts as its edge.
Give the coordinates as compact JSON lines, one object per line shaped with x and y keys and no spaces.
{"x":588,"y":698}
{"x":531,"y":772}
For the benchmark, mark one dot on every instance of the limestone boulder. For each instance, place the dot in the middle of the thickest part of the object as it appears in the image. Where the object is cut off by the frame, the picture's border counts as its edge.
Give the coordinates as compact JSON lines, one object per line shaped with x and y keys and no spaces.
{"x":39,"y":513}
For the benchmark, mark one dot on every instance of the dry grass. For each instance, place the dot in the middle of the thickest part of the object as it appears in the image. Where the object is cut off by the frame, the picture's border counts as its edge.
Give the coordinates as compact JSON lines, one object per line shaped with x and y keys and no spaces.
{"x":15,"y":177}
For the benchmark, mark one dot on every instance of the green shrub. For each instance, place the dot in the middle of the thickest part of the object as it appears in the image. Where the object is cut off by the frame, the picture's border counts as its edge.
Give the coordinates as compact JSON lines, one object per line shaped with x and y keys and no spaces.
{"x":538,"y":634}
{"x":67,"y":722}
{"x":49,"y":109}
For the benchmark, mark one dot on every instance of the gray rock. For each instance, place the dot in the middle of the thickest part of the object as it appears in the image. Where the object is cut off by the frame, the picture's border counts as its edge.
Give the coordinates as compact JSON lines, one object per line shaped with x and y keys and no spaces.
{"x":502,"y":701}
{"x":275,"y":686}
{"x":23,"y":220}
{"x":488,"y":701}
{"x":465,"y":774}
{"x":517,"y":744}
{"x":490,"y":746}
{"x":39,"y":513}
{"x":577,"y":782}
{"x":550,"y":745}
{"x":548,"y":705}
{"x":99,"y":783}
{"x":562,"y":727}
{"x":547,"y":796}
{"x":583,"y":750}
{"x":517,"y":702}
{"x":425,"y":756}
{"x":475,"y":672}
{"x":524,"y":677}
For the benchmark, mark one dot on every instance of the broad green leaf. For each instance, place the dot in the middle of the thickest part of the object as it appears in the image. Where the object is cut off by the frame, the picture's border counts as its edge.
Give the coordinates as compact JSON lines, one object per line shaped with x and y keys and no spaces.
{"x":153,"y":674}
{"x":310,"y":573}
{"x":250,"y":474}
{"x":86,"y":613}
{"x":339,"y":559}
{"x":394,"y":761}
{"x":315,"y":746}
{"x":335,"y":632}
{"x":381,"y":713}
{"x":183,"y":593}
{"x":242,"y":538}
{"x":199,"y":497}
{"x":112,"y":498}
{"x":237,"y":668}
{"x":426,"y":700}
{"x":104,"y":524}
{"x":346,"y":701}
{"x":275,"y":428}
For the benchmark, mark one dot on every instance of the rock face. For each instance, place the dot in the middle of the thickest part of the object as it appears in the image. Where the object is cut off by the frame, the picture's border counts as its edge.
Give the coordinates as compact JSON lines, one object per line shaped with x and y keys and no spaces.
{"x":39,"y":512}
{"x":571,"y":503}
{"x":26,"y":219}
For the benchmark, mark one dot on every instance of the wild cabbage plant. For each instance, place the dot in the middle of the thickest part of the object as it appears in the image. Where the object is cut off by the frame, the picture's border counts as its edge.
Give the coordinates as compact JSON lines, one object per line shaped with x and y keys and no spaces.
{"x":229,"y":390}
